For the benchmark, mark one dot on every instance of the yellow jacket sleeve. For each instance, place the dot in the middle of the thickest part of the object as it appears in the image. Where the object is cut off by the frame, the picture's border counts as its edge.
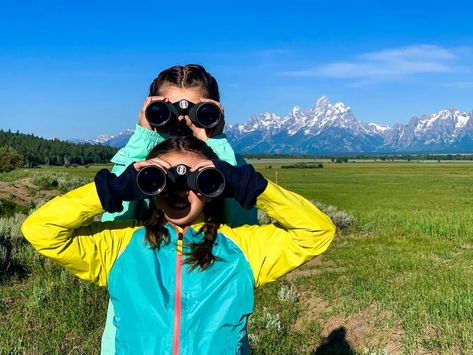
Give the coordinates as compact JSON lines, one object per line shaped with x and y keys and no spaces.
{"x":61,"y":230}
{"x":301,"y":233}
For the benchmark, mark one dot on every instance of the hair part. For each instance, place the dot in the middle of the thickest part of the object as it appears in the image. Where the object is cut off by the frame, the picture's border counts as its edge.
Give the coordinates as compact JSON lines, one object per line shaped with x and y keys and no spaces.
{"x":187,"y":76}
{"x":156,"y":233}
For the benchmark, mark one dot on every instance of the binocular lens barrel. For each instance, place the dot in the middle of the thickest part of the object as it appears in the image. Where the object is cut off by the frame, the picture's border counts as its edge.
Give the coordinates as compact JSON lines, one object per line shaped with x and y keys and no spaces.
{"x":151,"y":180}
{"x":205,"y":114}
{"x":208,"y":115}
{"x":210,"y":182}
{"x":158,"y":113}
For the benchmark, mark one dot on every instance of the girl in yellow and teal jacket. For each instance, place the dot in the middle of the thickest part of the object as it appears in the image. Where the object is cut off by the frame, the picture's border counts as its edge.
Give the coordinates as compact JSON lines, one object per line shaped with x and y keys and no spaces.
{"x":193,"y":83}
{"x":180,"y":282}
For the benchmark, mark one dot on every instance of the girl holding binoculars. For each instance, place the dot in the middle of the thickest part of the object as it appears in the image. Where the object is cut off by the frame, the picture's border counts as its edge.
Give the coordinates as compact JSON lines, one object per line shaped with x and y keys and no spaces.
{"x":161,"y":117}
{"x":182,"y":281}
{"x":173,"y":85}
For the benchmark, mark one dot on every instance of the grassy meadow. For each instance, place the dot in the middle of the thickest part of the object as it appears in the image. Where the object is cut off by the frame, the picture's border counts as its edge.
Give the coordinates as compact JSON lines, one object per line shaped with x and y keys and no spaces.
{"x":399,"y":280}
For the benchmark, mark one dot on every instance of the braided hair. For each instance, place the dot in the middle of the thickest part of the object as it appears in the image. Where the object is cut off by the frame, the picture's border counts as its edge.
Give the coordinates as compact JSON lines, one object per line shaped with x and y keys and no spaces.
{"x":156,"y":233}
{"x":188,"y":76}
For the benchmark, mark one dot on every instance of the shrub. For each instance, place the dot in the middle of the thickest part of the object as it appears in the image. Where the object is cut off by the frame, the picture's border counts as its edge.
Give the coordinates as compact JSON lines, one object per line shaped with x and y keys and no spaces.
{"x":9,"y":208}
{"x":341,"y":219}
{"x":64,"y":182}
{"x":266,"y":320}
{"x":303,"y":166}
{"x":5,"y":252}
{"x":10,"y":238}
{"x":10,"y":159}
{"x":10,"y":229}
{"x":263,"y":218}
{"x":287,"y":294}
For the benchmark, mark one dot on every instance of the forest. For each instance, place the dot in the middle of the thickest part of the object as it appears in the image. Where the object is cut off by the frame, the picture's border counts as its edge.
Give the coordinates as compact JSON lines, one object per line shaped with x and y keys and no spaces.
{"x":39,"y":151}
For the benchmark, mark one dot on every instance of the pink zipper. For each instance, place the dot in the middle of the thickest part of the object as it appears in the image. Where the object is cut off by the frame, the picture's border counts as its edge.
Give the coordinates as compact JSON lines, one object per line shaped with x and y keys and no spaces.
{"x":178,"y":294}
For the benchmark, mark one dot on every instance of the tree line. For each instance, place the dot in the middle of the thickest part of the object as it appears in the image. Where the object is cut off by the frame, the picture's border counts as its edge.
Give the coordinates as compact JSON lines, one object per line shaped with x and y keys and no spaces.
{"x":36,"y":151}
{"x":344,"y":158}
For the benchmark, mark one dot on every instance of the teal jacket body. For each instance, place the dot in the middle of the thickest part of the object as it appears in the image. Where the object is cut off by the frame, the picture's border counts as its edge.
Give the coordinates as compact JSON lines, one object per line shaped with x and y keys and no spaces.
{"x":180,"y":311}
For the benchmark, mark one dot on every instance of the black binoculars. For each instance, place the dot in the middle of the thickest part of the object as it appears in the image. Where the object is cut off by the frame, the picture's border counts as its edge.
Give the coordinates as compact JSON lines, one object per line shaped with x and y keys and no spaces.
{"x":153,"y":180}
{"x":204,"y":114}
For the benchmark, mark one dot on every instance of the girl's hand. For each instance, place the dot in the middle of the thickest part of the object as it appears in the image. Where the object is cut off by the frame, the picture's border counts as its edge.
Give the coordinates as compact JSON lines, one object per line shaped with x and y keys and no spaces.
{"x":163,"y":164}
{"x":205,"y":163}
{"x":142,"y":121}
{"x":205,"y":133}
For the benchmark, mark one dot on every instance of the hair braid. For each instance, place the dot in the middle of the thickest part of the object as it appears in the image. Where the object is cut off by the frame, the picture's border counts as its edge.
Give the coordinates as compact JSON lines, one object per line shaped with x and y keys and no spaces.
{"x":187,"y":76}
{"x":201,"y":254}
{"x":156,"y":232}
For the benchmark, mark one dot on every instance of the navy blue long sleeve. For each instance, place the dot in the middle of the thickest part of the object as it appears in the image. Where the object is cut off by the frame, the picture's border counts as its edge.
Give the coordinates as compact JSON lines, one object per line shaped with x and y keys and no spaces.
{"x":243,"y":182}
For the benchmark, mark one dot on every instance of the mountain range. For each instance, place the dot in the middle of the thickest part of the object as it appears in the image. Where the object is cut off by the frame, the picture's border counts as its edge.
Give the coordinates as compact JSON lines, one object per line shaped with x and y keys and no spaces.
{"x":328,"y":128}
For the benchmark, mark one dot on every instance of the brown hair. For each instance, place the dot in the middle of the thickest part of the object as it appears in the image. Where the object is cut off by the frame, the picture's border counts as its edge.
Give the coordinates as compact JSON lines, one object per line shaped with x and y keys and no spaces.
{"x":187,"y":76}
{"x":156,"y":232}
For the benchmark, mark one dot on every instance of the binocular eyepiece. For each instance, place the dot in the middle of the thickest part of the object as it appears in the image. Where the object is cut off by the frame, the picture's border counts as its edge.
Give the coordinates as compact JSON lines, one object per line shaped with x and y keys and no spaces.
{"x":153,"y":180}
{"x":204,"y":114}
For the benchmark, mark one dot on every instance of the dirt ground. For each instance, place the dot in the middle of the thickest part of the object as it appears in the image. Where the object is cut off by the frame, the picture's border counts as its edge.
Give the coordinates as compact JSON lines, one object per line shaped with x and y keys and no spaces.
{"x":23,"y":192}
{"x":362,"y":332}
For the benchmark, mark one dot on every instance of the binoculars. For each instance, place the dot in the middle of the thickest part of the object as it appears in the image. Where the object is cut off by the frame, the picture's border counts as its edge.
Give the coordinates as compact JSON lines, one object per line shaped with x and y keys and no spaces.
{"x":204,"y":114}
{"x":153,"y":180}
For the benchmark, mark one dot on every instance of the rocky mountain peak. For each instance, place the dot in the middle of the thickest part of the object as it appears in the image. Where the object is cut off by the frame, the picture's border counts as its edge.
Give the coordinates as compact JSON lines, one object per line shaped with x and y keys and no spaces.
{"x":295,"y":111}
{"x":322,"y":103}
{"x":333,"y":128}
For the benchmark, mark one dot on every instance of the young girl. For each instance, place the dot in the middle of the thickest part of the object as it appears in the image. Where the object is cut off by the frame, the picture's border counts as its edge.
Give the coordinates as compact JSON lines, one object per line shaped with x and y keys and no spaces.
{"x":181,"y":282}
{"x":193,"y":83}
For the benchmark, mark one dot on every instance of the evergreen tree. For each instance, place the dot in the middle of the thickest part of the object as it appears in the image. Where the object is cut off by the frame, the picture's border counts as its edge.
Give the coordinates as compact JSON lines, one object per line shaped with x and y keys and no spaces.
{"x":10,"y":159}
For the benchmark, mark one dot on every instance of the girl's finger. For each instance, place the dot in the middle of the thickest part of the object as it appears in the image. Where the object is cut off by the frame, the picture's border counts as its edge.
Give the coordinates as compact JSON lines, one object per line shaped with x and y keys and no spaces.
{"x":202,"y":99}
{"x":154,"y":161}
{"x":156,"y":98}
{"x":204,"y":163}
{"x":198,"y":132}
{"x":161,"y":162}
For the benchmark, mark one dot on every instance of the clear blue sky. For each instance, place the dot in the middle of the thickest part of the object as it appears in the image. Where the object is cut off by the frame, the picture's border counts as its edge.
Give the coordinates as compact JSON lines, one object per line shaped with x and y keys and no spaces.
{"x":79,"y":69}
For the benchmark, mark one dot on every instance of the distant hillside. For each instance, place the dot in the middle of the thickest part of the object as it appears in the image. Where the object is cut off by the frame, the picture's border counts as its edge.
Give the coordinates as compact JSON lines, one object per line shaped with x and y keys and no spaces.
{"x":36,"y":150}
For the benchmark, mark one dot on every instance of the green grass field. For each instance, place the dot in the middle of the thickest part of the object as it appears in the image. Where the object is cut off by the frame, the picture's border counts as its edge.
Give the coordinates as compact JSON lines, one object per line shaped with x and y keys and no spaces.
{"x":398,"y":281}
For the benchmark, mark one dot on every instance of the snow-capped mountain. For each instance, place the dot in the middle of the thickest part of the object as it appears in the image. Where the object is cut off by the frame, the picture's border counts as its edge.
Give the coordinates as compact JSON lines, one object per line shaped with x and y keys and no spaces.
{"x":103,"y":138}
{"x":328,"y":128}
{"x":325,"y":127}
{"x":447,"y":130}
{"x":117,"y":141}
{"x":333,"y":128}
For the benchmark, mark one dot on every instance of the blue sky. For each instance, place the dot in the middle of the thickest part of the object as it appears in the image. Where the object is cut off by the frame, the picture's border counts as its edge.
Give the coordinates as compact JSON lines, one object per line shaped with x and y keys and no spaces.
{"x":79,"y":69}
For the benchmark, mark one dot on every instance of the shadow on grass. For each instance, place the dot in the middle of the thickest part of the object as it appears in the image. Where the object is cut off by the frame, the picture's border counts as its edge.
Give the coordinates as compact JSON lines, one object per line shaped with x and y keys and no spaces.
{"x":335,"y":344}
{"x":12,"y":271}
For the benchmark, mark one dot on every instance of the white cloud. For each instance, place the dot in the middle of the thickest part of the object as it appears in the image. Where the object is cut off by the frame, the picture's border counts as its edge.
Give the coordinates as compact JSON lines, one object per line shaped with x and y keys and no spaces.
{"x":387,"y":64}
